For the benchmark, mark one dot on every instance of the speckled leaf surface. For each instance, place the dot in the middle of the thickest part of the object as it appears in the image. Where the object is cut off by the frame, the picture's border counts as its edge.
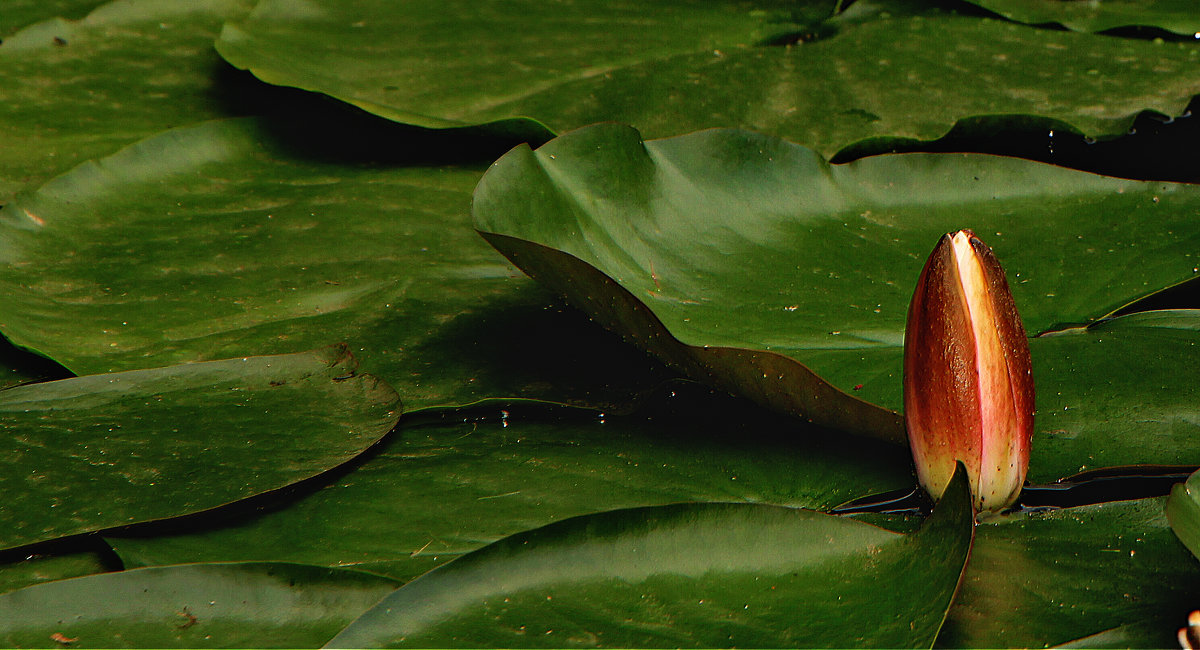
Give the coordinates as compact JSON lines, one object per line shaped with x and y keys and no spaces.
{"x":77,"y":89}
{"x":437,"y":490}
{"x":232,"y":242}
{"x":255,"y":605}
{"x":881,"y":76}
{"x":102,"y":451}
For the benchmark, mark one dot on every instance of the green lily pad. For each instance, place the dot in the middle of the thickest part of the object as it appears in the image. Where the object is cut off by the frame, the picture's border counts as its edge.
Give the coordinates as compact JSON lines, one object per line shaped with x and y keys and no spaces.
{"x":20,"y":13}
{"x":436,"y":490}
{"x":75,"y":90}
{"x":30,"y":569}
{"x":1049,"y":577}
{"x":235,"y":241}
{"x":267,"y":605}
{"x":1183,"y":511}
{"x":1113,"y":395}
{"x":708,"y":575}
{"x":752,"y":263}
{"x":1177,"y":16}
{"x":96,"y":452}
{"x":671,"y":68}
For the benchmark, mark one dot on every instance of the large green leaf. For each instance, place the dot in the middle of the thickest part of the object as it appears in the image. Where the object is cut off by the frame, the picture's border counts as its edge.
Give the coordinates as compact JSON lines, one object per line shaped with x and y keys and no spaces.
{"x":1183,"y":511}
{"x":753,"y":263}
{"x":437,"y":490}
{"x":93,"y":556}
{"x":74,"y":90}
{"x":268,"y":605}
{"x":708,"y":575}
{"x":1047,"y":577}
{"x":101,"y":451}
{"x":232,"y":240}
{"x":675,"y":67}
{"x":20,"y":13}
{"x":1179,"y":16}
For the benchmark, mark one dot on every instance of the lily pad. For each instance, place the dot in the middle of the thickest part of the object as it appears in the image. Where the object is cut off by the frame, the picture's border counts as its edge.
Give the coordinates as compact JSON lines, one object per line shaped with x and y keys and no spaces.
{"x":671,"y":68}
{"x":97,"y":452}
{"x":267,"y":605}
{"x":90,"y":558}
{"x":77,"y":89}
{"x":1183,"y":511}
{"x":707,"y":575}
{"x":234,"y":241}
{"x":752,"y":263}
{"x":1048,"y":577}
{"x":437,"y":490}
{"x":20,"y":13}
{"x":1177,"y":16}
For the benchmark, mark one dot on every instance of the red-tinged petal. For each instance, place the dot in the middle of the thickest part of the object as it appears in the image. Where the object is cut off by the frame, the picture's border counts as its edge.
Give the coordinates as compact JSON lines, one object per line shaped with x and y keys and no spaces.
{"x":968,"y":388}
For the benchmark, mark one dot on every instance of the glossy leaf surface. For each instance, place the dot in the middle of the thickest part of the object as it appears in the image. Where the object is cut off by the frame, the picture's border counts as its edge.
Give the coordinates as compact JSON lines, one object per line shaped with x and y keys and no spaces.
{"x":671,"y":68}
{"x":74,"y":90}
{"x":1045,"y":578}
{"x":267,"y":605}
{"x":233,"y":241}
{"x":740,"y":257}
{"x":102,"y":451}
{"x":437,"y":490}
{"x":709,"y":575}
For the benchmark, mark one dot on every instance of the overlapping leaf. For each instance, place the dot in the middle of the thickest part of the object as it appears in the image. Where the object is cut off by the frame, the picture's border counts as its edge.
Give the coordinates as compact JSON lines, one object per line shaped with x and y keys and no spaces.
{"x":1177,"y":16}
{"x":263,"y":605}
{"x":223,"y":240}
{"x":1106,"y":574}
{"x":74,"y":90}
{"x":96,"y":452}
{"x":707,"y":575}
{"x":1183,"y":511}
{"x":438,"y":490}
{"x":753,"y":262}
{"x":678,"y":67}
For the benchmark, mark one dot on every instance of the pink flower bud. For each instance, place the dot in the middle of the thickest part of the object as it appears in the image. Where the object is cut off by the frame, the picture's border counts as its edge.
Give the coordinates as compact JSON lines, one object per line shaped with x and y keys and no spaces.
{"x":968,"y":378}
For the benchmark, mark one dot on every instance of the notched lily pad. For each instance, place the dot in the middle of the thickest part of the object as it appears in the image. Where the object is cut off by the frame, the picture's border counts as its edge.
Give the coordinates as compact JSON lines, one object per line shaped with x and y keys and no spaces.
{"x":752,"y":263}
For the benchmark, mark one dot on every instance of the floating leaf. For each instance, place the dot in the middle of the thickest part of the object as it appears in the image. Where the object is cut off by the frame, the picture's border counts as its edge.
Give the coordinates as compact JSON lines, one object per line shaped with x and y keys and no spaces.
{"x":752,"y":263}
{"x":267,"y":605}
{"x":96,"y":452}
{"x":1183,"y":511}
{"x":1047,"y":577}
{"x":233,"y":242}
{"x":19,"y":13}
{"x":74,"y":90}
{"x":36,"y":568}
{"x":674,"y":67}
{"x":437,"y":490}
{"x":708,"y":575}
{"x":1177,"y":16}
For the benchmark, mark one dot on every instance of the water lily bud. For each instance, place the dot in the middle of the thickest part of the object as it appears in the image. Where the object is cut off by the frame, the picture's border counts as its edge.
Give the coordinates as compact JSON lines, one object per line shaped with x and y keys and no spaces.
{"x":968,"y":379}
